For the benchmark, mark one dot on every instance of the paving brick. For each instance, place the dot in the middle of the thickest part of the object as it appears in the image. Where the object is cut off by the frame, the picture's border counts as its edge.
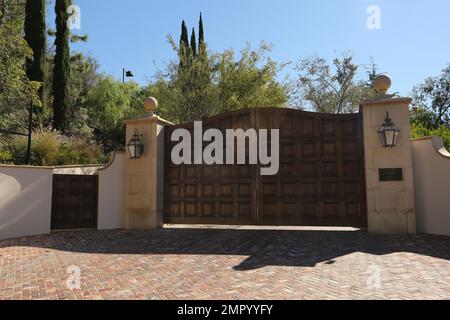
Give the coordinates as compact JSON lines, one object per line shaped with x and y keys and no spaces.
{"x":226,"y":263}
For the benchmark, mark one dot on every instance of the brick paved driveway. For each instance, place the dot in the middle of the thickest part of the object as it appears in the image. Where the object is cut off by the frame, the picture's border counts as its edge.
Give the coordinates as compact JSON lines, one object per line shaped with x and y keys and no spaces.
{"x":234,"y":263}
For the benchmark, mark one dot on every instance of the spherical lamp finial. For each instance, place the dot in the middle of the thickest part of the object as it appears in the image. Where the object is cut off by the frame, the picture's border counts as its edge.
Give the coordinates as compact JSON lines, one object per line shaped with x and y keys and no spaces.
{"x":382,"y":84}
{"x":150,"y":104}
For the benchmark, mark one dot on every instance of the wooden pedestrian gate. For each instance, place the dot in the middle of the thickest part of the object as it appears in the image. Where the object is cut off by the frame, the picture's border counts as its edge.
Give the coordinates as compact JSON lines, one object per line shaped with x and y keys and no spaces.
{"x":321,"y":181}
{"x":74,"y":203}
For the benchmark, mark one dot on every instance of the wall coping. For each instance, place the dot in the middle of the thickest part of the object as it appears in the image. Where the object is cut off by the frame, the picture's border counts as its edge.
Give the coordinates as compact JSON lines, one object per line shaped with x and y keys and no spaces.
{"x":149,"y":118}
{"x":111,"y":161}
{"x":13,"y":166}
{"x":99,"y":166}
{"x":385,"y":101}
{"x":438,"y":145}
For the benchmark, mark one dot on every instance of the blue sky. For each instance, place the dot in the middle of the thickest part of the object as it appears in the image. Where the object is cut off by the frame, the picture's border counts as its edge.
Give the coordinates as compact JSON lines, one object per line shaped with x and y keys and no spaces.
{"x":413,"y":43}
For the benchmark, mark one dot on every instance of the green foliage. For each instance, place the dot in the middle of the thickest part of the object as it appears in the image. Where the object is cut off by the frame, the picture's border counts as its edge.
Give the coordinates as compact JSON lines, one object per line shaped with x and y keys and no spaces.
{"x":61,"y":70}
{"x":5,"y":156}
{"x":423,"y":118}
{"x":35,"y":35}
{"x":16,"y":90}
{"x":208,"y":85}
{"x":331,"y":88}
{"x":51,"y":148}
{"x":419,"y":131}
{"x":434,"y":96}
{"x":249,"y":81}
{"x":108,"y":103}
{"x":83,"y":77}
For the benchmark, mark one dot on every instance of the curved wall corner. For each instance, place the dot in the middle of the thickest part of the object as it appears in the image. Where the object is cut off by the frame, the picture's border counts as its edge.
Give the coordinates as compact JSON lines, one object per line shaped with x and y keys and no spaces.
{"x":432,"y":185}
{"x":110,"y":194}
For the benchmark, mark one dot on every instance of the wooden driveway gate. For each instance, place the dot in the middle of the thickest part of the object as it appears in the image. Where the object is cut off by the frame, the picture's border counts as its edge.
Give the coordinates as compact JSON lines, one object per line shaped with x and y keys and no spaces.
{"x":74,"y":203}
{"x":321,"y":180}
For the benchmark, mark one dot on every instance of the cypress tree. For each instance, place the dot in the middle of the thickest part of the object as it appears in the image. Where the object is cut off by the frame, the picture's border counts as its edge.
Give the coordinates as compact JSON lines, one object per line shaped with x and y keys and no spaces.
{"x":2,"y":10}
{"x":201,"y":32}
{"x":184,"y":35}
{"x":193,"y":43}
{"x":61,"y":73}
{"x":35,"y":35}
{"x":201,"y":40}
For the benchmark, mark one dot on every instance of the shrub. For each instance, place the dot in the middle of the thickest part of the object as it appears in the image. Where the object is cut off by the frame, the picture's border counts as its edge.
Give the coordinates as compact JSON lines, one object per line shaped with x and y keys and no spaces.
{"x":5,"y":156}
{"x":50,"y":148}
{"x":420,"y":131}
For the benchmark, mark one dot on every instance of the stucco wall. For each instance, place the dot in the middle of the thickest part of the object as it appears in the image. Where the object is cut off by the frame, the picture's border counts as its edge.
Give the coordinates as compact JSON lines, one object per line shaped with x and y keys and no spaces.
{"x":432,"y":182}
{"x":110,"y":194}
{"x":25,"y":201}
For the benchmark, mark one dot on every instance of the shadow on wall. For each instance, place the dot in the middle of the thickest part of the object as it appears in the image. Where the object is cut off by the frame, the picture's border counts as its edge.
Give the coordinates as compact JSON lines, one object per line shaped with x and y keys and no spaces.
{"x":25,"y":201}
{"x":259,"y":247}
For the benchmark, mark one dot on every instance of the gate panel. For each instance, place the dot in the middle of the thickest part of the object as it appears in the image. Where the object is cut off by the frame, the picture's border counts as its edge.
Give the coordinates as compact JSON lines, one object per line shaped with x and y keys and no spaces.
{"x":320,"y":182}
{"x":74,"y":203}
{"x":220,"y":194}
{"x":321,"y":177}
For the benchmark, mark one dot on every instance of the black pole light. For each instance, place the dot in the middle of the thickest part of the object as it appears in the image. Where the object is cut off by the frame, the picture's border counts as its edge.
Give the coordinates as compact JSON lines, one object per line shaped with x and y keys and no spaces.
{"x":389,"y":133}
{"x":135,"y":147}
{"x":126,"y":74}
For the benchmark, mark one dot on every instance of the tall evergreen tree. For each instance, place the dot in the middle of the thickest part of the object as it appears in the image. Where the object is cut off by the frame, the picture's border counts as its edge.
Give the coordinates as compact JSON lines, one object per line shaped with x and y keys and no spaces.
{"x":61,"y":72}
{"x":35,"y":35}
{"x":201,"y":32}
{"x":2,"y":10}
{"x":193,"y":43}
{"x":184,"y":35}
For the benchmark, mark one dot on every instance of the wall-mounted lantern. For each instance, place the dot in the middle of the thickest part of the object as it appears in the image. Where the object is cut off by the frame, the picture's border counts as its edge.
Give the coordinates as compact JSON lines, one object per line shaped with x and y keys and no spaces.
{"x":389,"y":133}
{"x":135,"y":147}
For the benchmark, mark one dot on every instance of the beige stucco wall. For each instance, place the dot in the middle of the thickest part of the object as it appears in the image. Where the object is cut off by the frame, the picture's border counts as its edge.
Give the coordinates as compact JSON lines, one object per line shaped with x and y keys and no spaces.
{"x":432,"y":178}
{"x":144,"y":177}
{"x":25,"y":201}
{"x":391,"y":205}
{"x":110,"y":194}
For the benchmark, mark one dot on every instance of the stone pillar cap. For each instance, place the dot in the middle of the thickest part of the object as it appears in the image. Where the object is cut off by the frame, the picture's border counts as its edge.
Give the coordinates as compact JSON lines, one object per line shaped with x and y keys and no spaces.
{"x":150,"y":104}
{"x":382,"y":84}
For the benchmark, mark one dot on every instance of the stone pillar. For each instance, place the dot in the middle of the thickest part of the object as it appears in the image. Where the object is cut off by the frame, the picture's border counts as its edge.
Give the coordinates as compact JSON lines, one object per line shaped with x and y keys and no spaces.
{"x":144,"y":177}
{"x":390,"y":204}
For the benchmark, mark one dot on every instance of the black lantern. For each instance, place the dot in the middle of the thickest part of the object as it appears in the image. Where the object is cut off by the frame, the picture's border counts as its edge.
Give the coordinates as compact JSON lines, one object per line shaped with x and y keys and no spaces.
{"x":135,"y":147}
{"x":389,"y":133}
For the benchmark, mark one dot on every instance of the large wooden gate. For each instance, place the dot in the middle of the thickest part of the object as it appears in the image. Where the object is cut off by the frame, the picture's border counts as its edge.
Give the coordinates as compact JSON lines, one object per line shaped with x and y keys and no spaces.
{"x":74,"y":203}
{"x":320,"y":181}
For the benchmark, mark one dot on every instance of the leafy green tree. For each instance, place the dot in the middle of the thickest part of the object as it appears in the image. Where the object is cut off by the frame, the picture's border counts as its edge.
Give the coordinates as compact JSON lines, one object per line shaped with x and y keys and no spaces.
{"x":419,"y":130}
{"x":35,"y":35}
{"x":108,"y":103}
{"x":61,"y":69}
{"x":218,"y":84}
{"x":249,"y":81}
{"x":83,"y":76}
{"x":331,"y":88}
{"x":434,"y":96}
{"x":16,"y":90}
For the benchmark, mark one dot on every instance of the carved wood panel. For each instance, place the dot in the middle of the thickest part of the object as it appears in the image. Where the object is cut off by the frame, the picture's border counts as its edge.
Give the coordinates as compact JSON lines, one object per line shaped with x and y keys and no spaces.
{"x":320,"y":182}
